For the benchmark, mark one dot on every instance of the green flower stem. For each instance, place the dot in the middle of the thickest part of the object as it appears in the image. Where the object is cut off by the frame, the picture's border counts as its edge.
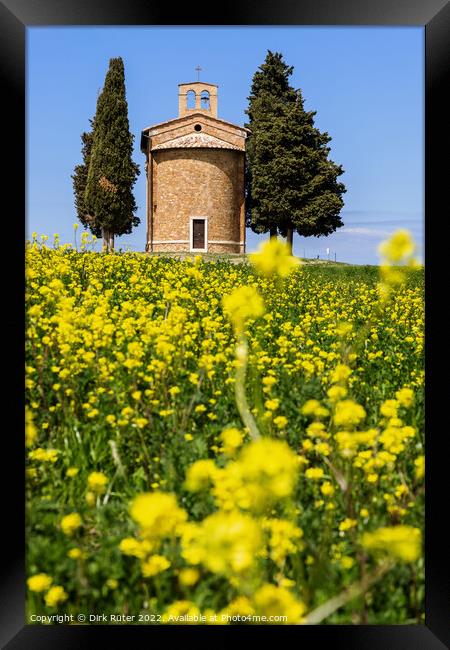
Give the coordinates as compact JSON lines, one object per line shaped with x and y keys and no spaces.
{"x":239,"y":388}
{"x":356,"y":589}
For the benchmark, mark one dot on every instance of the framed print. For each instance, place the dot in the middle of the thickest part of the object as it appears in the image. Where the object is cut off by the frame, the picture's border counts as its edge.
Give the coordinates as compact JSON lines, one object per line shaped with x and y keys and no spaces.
{"x":227,"y":416}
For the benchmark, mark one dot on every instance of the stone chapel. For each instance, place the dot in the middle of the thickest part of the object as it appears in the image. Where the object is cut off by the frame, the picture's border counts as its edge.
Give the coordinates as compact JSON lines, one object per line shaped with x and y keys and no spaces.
{"x":195,"y":177}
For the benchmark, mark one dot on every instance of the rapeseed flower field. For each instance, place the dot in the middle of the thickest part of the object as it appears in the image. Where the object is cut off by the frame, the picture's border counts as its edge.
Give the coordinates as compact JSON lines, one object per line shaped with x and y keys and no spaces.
{"x":218,"y":443}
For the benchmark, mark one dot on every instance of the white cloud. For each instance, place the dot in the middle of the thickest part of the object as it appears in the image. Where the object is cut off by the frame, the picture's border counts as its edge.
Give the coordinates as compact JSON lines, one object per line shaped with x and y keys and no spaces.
{"x":369,"y":232}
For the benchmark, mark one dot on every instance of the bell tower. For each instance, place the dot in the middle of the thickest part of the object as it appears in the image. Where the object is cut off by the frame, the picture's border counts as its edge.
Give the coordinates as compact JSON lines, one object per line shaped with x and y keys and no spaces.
{"x":197,"y":97}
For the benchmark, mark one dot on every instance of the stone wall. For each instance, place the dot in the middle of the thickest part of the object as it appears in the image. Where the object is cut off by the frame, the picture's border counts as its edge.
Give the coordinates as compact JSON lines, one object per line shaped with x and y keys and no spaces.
{"x":189,"y":183}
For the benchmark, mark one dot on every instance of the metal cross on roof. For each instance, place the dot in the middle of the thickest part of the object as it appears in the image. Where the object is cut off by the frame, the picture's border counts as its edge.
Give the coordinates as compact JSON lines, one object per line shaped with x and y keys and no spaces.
{"x":198,"y":68}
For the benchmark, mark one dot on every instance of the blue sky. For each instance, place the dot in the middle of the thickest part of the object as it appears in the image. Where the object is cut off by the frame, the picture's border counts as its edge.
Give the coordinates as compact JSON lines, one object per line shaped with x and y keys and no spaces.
{"x":366,"y":84}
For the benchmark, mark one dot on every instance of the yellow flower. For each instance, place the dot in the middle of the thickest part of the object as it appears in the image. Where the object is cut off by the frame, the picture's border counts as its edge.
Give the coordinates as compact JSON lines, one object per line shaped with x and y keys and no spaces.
{"x":136,"y":548}
{"x":340,"y":373}
{"x":200,"y":475}
{"x":284,"y":538}
{"x":270,"y":600}
{"x":399,"y":247}
{"x":97,"y":482}
{"x":405,"y":397}
{"x":274,"y":258}
{"x":232,"y":439}
{"x":272,"y":404}
{"x":157,"y":513}
{"x":153,"y":565}
{"x":188,"y":577}
{"x":75,"y":553}
{"x":280,"y":422}
{"x":401,"y":542}
{"x":30,"y":429}
{"x":314,"y":473}
{"x":346,"y":562}
{"x":316,"y":430}
{"x":335,"y":393}
{"x":224,"y":543}
{"x":420,"y":467}
{"x":90,"y":499}
{"x":327,"y":489}
{"x":112,"y":583}
{"x":269,"y":470}
{"x":55,"y":596}
{"x":269,"y":381}
{"x":181,"y":612}
{"x":348,"y":413}
{"x":72,"y":471}
{"x":39,"y":582}
{"x":347,"y":524}
{"x":45,"y":455}
{"x":71,"y":523}
{"x":243,"y":303}
{"x":389,"y":408}
{"x":343,"y":328}
{"x":314,"y":407}
{"x":240,"y":606}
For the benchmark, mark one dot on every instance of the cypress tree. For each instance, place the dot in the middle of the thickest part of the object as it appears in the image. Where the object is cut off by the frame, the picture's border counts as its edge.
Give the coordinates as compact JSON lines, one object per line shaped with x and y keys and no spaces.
{"x":290,"y":183}
{"x":112,"y":173}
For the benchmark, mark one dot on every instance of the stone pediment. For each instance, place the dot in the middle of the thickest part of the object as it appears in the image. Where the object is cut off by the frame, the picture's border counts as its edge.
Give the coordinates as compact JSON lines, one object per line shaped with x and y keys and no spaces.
{"x":196,"y":140}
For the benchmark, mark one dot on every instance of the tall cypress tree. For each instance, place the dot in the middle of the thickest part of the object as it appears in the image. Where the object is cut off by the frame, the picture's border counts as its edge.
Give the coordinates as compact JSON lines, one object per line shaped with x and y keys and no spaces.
{"x":291,"y":184}
{"x":112,"y":173}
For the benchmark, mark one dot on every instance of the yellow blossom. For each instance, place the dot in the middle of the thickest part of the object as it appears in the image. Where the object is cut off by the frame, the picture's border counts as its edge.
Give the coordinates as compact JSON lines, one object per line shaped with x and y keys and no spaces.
{"x":157,"y":514}
{"x":200,"y":475}
{"x":348,"y":413}
{"x":189,"y":577}
{"x":45,"y":455}
{"x":399,"y":247}
{"x":181,"y":612}
{"x":401,"y":542}
{"x":39,"y":582}
{"x":347,"y":524}
{"x":55,"y":596}
{"x":71,"y":523}
{"x":153,"y":565}
{"x":224,"y":543}
{"x":274,"y":258}
{"x":243,"y":303}
{"x":405,"y":397}
{"x":420,"y":467}
{"x":97,"y":482}
{"x":314,"y":473}
{"x":341,"y":373}
{"x":30,"y":428}
{"x":232,"y":439}
{"x":270,"y":600}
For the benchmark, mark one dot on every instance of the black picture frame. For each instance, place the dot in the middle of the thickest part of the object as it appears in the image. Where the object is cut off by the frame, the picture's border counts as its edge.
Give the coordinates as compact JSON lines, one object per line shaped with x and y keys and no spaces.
{"x":15,"y":17}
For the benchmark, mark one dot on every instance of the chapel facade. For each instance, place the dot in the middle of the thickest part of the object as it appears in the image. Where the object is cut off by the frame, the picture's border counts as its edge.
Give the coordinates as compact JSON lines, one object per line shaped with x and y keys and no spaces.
{"x":195,"y":177}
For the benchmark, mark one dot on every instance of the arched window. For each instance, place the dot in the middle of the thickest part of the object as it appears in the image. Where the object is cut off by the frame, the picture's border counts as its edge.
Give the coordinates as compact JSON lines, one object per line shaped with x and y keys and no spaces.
{"x":190,"y":99}
{"x":204,"y":100}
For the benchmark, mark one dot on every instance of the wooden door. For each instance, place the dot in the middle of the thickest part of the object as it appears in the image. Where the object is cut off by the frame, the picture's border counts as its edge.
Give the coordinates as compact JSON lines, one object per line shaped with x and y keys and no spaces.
{"x":198,"y":233}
